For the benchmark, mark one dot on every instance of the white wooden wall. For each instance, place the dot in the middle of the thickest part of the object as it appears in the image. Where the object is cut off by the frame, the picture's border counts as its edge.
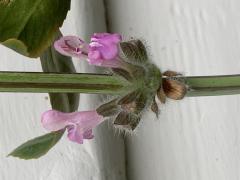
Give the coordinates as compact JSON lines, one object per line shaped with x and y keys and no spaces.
{"x":197,"y":138}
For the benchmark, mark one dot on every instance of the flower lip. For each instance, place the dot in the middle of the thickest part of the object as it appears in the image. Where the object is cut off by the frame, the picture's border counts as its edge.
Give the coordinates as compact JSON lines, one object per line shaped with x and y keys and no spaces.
{"x":107,"y":37}
{"x":103,"y":47}
{"x":103,"y":50}
{"x":71,"y":46}
{"x":78,"y":124}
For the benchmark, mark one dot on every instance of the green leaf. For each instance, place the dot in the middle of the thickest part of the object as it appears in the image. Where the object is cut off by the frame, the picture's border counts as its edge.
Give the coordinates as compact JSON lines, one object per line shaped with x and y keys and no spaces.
{"x":16,"y":45}
{"x":29,"y":26}
{"x":51,"y":61}
{"x":37,"y":147}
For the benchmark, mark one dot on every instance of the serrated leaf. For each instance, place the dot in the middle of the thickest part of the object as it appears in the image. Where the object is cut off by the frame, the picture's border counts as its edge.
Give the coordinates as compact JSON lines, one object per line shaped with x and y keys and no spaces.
{"x":29,"y":26}
{"x":37,"y":147}
{"x":51,"y":61}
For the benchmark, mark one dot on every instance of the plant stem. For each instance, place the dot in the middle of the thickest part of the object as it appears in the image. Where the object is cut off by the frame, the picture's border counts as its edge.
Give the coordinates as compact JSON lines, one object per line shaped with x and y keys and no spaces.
{"x":106,"y":84}
{"x":212,"y":85}
{"x":62,"y":83}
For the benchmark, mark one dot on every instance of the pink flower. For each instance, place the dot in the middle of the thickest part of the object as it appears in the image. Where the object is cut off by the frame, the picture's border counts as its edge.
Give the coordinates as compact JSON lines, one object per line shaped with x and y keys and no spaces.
{"x":103,"y":48}
{"x":71,"y":46}
{"x":78,"y":124}
{"x":102,"y":51}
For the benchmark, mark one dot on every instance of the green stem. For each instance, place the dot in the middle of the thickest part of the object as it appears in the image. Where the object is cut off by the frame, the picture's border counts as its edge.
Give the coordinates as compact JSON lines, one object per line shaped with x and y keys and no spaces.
{"x":62,"y":83}
{"x":107,"y":84}
{"x":213,"y":85}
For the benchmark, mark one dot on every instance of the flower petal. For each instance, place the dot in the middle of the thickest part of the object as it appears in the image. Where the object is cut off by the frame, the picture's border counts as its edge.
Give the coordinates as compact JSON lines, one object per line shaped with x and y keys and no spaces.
{"x":88,"y":134}
{"x":85,"y":118}
{"x":71,"y":46}
{"x":107,"y":37}
{"x":104,"y":47}
{"x":95,"y":58}
{"x":75,"y":134}
{"x":78,"y":124}
{"x":106,"y":52}
{"x":53,"y":120}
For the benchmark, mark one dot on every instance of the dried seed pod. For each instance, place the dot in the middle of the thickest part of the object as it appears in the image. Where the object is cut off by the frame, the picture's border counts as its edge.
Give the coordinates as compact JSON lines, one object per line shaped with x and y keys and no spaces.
{"x":171,"y":73}
{"x":161,"y":95}
{"x":134,"y":51}
{"x":130,"y":107}
{"x":128,"y":98}
{"x":141,"y":102}
{"x":154,"y":107}
{"x":174,"y":89}
{"x":109,"y":109}
{"x":122,"y":119}
{"x":173,"y":86}
{"x":127,"y":120}
{"x":134,"y":102}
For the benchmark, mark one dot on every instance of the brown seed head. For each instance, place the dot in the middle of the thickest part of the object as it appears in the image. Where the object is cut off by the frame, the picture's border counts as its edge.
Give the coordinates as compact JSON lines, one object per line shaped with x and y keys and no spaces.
{"x":174,"y":89}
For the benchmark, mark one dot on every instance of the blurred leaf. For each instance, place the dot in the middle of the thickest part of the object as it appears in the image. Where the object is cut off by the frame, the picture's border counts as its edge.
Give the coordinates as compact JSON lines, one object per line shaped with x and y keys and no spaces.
{"x":51,"y":61}
{"x":37,"y":147}
{"x":16,"y":45}
{"x":29,"y":26}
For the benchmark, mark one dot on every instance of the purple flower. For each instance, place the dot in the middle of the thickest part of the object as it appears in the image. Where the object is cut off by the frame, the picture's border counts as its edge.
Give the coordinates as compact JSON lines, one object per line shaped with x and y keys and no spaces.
{"x":71,"y":46}
{"x":103,"y":48}
{"x":78,"y":124}
{"x":102,"y":51}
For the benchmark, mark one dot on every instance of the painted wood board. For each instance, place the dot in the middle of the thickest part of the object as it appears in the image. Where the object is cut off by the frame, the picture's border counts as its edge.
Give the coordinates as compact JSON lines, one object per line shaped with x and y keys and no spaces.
{"x":197,"y":138}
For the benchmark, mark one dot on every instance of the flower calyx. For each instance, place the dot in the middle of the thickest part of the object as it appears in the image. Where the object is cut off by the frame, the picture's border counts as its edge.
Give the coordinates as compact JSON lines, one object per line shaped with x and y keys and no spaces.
{"x":173,"y":86}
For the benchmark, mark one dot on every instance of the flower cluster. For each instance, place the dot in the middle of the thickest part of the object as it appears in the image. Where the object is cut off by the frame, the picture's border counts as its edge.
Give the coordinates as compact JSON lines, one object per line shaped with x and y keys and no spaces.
{"x":103,"y":50}
{"x":133,"y":66}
